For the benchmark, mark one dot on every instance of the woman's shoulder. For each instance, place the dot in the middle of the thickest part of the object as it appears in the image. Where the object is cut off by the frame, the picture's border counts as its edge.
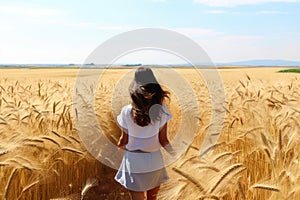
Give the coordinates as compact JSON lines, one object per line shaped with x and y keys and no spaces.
{"x":126,"y":108}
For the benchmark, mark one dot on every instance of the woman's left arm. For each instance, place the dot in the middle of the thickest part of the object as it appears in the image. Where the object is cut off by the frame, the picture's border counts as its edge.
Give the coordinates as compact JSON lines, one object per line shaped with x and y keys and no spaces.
{"x":164,"y":141}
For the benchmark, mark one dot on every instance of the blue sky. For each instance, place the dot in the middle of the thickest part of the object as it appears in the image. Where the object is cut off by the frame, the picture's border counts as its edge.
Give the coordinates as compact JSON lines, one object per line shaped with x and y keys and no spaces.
{"x":67,"y":31}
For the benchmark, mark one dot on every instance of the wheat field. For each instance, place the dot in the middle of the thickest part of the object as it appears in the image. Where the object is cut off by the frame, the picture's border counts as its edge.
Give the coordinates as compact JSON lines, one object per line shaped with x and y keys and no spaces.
{"x":256,"y":156}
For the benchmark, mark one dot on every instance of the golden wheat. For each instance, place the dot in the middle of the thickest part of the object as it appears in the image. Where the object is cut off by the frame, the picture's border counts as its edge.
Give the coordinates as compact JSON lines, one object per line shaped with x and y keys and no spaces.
{"x":42,"y":157}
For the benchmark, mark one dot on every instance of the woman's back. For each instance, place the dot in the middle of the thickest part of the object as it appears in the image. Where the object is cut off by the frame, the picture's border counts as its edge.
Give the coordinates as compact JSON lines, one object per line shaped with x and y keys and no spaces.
{"x":144,"y":138}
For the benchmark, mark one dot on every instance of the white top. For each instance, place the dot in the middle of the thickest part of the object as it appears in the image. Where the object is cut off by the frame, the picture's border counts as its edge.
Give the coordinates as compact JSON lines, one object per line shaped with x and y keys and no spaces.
{"x":142,"y":138}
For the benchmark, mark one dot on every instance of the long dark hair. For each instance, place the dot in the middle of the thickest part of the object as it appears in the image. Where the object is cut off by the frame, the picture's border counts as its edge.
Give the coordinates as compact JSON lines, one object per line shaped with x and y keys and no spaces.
{"x":145,"y":92}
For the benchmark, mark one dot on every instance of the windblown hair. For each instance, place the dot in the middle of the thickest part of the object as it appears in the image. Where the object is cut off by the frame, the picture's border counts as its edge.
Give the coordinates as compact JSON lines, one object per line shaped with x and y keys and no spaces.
{"x":145,"y":92}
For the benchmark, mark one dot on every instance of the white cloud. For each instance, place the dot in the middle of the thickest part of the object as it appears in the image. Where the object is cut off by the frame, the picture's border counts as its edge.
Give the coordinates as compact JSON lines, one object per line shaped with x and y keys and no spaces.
{"x":217,"y":11}
{"x":99,"y":27}
{"x":238,"y":38}
{"x":161,"y":1}
{"x":116,"y":28}
{"x":231,"y":48}
{"x":34,"y":54}
{"x":7,"y":27}
{"x":150,"y":57}
{"x":43,"y":20}
{"x":28,"y":11}
{"x":270,"y":12}
{"x":221,"y":12}
{"x":232,"y":3}
{"x":81,"y":24}
{"x":190,"y":31}
{"x":197,"y":32}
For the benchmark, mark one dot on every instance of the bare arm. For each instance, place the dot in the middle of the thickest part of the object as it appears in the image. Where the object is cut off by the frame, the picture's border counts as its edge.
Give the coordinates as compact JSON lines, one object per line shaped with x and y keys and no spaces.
{"x":123,"y":140}
{"x":164,"y":141}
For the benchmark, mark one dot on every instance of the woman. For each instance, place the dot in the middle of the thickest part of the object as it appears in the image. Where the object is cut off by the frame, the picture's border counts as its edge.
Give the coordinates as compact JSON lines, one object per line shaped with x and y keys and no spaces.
{"x":144,"y":132}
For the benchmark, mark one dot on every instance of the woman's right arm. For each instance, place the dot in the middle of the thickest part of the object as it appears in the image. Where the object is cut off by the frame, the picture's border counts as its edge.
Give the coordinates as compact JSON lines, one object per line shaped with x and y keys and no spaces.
{"x":123,"y":139}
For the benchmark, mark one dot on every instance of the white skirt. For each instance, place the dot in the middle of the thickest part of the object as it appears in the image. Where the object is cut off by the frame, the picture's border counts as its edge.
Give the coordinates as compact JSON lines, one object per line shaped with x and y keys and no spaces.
{"x":141,"y":171}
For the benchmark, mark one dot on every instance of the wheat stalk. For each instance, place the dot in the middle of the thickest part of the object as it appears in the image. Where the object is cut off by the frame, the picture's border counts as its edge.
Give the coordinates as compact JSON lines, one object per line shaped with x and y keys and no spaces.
{"x":266,"y":187}
{"x":221,"y":156}
{"x":51,"y":140}
{"x":28,"y":187}
{"x":225,"y":174}
{"x":241,"y":190}
{"x":72,"y":150}
{"x":9,"y":182}
{"x":3,"y":152}
{"x":209,"y":197}
{"x":209,"y":167}
{"x":91,"y":182}
{"x":61,"y":136}
{"x":191,"y":179}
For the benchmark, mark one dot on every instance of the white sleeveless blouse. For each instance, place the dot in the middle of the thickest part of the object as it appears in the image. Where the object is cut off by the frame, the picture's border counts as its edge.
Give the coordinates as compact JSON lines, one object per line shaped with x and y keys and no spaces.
{"x":142,"y":138}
